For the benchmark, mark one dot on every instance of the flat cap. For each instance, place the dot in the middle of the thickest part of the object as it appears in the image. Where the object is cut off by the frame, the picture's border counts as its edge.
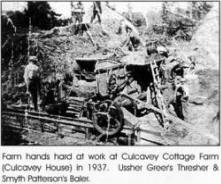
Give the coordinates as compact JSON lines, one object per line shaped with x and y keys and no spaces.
{"x":33,"y":58}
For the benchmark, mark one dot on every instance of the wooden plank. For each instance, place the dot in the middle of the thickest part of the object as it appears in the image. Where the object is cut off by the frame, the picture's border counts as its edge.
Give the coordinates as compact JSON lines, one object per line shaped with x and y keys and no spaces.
{"x":106,"y":69}
{"x":43,"y":114}
{"x":81,"y":122}
{"x":73,"y":122}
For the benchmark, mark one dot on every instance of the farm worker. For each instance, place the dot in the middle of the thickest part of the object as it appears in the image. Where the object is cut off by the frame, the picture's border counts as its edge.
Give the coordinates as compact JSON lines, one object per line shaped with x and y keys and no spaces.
{"x":77,"y":12}
{"x":178,"y":70}
{"x":32,"y":80}
{"x":131,"y":88}
{"x":124,"y":24}
{"x":132,"y":41}
{"x":180,"y":100}
{"x":49,"y":91}
{"x":97,"y":11}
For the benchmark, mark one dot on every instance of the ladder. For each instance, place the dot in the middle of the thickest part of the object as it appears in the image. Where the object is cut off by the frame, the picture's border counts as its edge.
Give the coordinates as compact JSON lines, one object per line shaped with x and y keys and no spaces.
{"x":155,"y":93}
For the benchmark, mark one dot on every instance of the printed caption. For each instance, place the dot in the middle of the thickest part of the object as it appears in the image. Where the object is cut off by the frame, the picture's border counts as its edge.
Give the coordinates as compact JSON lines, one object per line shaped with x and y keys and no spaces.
{"x":82,"y":167}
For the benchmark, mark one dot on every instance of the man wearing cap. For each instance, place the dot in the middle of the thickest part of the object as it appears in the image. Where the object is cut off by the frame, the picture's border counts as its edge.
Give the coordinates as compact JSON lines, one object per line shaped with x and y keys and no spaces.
{"x":32,"y":80}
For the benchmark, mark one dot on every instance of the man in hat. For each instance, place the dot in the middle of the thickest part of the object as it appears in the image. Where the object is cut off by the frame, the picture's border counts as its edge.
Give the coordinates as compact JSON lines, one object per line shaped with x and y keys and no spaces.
{"x":180,"y":99}
{"x":32,"y":80}
{"x":178,"y":70}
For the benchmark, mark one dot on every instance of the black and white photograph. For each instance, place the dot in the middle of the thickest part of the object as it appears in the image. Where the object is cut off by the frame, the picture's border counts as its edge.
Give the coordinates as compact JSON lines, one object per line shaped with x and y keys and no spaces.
{"x":102,"y":73}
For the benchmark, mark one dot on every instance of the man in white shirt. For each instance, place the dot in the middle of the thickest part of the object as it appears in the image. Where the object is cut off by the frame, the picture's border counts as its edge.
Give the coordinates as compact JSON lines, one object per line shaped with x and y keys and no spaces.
{"x":32,"y":80}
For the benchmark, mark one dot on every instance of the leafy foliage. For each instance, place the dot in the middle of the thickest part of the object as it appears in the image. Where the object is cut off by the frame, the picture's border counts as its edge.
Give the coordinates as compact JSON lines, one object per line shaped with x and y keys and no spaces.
{"x":41,"y":14}
{"x":14,"y":26}
{"x":181,"y":23}
{"x":18,"y":18}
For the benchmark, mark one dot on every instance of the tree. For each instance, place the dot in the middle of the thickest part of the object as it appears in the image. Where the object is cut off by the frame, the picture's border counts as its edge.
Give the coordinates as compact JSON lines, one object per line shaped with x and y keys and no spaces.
{"x":41,"y":14}
{"x":18,"y":18}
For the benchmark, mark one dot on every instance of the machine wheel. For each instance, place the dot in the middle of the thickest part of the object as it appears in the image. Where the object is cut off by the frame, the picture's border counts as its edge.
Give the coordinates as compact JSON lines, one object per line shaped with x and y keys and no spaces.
{"x":110,"y":121}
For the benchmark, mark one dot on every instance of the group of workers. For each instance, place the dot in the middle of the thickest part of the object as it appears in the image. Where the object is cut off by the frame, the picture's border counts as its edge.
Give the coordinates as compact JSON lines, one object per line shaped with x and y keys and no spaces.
{"x":178,"y":98}
{"x":132,"y":41}
{"x":78,"y":11}
{"x":175,"y":83}
{"x":60,"y":88}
